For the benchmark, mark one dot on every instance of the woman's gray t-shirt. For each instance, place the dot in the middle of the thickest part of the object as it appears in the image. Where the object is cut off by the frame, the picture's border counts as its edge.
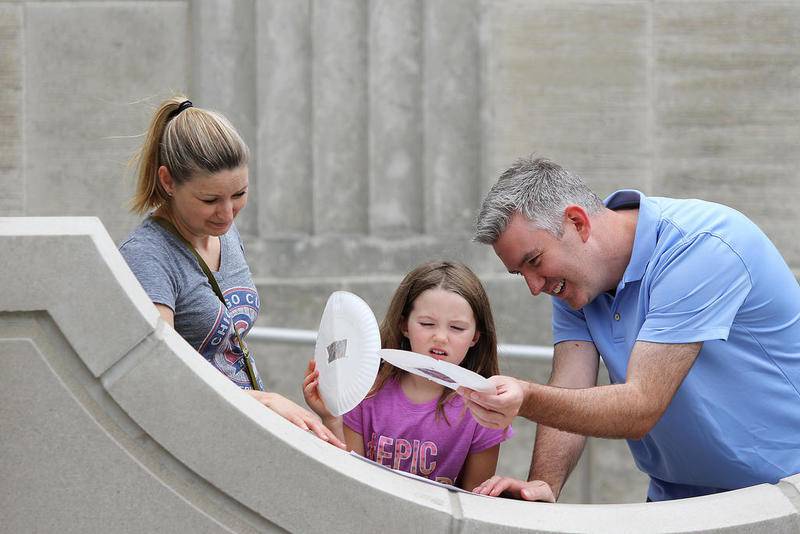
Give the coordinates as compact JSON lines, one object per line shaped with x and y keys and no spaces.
{"x":170,"y":274}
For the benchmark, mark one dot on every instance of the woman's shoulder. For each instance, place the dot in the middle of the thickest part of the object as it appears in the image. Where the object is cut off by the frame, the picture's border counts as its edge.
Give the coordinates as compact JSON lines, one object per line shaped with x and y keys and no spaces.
{"x":146,"y":235}
{"x":147,"y":243}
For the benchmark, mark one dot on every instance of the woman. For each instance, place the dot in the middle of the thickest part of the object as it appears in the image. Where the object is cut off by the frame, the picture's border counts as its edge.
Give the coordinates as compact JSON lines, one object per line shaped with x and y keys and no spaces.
{"x":192,"y":182}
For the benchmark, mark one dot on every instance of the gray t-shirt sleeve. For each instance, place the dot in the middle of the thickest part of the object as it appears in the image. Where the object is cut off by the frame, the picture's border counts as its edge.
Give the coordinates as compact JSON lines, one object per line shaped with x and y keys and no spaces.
{"x":153,"y":267}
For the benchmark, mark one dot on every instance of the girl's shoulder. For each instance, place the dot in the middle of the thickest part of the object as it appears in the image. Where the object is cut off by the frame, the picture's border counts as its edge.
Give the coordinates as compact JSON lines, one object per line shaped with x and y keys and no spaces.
{"x":456,"y":401}
{"x":389,"y":389}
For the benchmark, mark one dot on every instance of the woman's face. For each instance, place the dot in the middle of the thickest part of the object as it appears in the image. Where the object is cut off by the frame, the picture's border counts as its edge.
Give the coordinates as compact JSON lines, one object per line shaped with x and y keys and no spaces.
{"x":208,"y":203}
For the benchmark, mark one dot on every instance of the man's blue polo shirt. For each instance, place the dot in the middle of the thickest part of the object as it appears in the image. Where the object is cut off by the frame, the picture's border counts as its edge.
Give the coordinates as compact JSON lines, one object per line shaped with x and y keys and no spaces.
{"x":704,"y":272}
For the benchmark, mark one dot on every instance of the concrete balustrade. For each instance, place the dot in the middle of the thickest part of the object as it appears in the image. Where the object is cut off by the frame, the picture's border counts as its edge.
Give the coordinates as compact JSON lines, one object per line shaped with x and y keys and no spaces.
{"x":111,"y":422}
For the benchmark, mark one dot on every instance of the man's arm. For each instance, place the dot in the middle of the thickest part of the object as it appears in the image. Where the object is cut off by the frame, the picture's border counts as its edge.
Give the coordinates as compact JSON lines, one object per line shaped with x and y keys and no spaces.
{"x":628,"y":410}
{"x":555,"y":453}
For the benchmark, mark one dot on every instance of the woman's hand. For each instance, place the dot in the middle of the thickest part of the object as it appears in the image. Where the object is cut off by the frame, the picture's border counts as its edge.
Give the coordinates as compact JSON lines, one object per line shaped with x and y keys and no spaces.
{"x":296,"y":415}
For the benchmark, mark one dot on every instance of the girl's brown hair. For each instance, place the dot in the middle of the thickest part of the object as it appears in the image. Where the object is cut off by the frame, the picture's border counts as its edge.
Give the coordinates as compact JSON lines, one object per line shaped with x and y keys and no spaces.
{"x":450,"y":276}
{"x":187,"y":142}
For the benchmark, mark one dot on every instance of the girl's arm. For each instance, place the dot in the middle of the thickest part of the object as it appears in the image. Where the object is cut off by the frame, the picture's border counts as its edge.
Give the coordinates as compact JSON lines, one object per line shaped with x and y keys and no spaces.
{"x":355,"y":442}
{"x":314,"y":401}
{"x":479,"y":466}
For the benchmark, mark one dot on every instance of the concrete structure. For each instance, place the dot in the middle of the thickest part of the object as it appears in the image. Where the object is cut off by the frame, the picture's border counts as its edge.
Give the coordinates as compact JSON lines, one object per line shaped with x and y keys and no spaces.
{"x":112,"y":423}
{"x":376,"y":125}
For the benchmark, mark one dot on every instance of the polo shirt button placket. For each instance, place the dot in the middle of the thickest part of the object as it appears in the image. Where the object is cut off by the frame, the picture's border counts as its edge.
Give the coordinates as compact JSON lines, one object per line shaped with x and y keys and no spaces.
{"x":617,"y":331}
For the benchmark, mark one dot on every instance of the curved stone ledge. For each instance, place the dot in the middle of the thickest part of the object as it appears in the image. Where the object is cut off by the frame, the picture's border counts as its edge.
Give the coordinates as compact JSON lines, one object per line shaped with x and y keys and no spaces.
{"x":118,"y":425}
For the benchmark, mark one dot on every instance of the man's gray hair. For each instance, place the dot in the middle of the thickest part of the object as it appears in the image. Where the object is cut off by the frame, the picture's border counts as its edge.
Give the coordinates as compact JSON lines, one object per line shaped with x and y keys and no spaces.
{"x":538,"y":189}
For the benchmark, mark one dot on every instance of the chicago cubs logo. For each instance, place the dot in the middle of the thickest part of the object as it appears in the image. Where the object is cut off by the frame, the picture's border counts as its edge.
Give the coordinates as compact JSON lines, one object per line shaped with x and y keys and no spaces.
{"x":221,"y":347}
{"x":243,"y":306}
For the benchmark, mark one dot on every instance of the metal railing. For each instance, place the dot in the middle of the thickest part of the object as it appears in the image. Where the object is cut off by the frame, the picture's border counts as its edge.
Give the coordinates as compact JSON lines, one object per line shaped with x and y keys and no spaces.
{"x":309,"y":337}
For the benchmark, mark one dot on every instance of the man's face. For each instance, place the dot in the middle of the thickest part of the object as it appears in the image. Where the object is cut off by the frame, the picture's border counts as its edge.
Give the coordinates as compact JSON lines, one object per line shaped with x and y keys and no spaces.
{"x":552,"y":265}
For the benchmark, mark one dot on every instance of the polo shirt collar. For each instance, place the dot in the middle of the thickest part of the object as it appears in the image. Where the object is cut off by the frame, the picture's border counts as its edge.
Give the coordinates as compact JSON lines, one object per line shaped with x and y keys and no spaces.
{"x":644,"y":242}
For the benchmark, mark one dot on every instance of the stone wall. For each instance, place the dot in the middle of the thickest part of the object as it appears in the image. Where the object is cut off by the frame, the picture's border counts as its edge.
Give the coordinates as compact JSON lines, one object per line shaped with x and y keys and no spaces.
{"x":376,"y":126}
{"x":113,"y":423}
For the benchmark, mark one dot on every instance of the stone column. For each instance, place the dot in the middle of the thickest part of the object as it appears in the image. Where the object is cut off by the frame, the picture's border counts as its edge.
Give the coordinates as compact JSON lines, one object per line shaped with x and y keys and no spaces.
{"x":94,"y":73}
{"x":12,"y":178}
{"x":452,"y":115}
{"x":285,"y":130}
{"x":396,"y":187}
{"x":340,"y":116}
{"x":222,"y":67}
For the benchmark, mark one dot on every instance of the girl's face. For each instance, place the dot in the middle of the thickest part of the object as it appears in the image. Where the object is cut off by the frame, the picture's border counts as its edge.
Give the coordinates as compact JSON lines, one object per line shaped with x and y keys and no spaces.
{"x":441,"y":325}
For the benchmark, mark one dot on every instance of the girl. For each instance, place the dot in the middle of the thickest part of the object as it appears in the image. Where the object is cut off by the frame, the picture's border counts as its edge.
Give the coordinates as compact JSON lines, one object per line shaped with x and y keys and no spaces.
{"x":192,"y":183}
{"x":406,"y":421}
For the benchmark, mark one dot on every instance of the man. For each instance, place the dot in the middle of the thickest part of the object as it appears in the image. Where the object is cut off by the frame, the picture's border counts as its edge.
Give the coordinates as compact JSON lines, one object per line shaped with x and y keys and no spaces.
{"x":695,"y":314}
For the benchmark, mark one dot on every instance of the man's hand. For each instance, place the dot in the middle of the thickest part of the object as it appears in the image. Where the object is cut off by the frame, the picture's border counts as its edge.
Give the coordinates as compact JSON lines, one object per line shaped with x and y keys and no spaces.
{"x":495,"y":410}
{"x":535,"y":490}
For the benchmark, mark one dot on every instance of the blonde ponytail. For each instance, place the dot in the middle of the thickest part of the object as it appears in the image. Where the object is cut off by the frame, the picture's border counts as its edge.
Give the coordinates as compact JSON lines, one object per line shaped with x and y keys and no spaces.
{"x":188,"y":141}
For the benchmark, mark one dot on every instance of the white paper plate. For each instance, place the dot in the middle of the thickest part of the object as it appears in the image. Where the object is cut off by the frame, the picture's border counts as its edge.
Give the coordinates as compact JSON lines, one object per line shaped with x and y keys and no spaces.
{"x":440,"y":371}
{"x":346,"y":352}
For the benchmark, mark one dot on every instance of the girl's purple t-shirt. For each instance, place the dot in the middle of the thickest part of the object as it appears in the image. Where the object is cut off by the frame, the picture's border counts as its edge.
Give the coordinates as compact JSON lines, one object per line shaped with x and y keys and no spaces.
{"x":406,"y":436}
